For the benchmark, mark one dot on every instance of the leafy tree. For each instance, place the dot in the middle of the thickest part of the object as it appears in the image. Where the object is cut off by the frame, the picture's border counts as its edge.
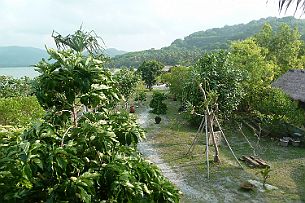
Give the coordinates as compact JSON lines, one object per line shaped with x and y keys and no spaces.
{"x":219,"y":77}
{"x":283,"y":47}
{"x":249,"y":58}
{"x":149,"y":71}
{"x":126,"y":80}
{"x":80,"y":41}
{"x":276,"y":105}
{"x":177,"y":77}
{"x":257,"y":59}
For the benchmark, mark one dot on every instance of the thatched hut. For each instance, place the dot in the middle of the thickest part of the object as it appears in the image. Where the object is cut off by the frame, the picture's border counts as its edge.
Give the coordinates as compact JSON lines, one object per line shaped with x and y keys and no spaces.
{"x":293,"y":84}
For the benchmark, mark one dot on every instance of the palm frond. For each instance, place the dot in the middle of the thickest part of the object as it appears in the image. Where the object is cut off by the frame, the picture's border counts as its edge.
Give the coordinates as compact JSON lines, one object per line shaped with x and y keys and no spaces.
{"x":285,"y":4}
{"x":80,"y":41}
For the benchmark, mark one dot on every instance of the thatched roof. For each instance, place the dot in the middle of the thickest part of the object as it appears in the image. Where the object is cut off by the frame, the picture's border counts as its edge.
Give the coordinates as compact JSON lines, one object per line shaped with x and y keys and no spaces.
{"x":293,"y":83}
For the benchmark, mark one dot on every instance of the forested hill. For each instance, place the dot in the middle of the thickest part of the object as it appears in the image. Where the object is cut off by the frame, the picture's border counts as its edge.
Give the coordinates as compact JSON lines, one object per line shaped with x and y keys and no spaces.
{"x":186,"y":51}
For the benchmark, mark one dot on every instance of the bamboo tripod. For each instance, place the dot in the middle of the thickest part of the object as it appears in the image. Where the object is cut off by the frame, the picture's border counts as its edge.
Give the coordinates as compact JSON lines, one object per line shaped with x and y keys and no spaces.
{"x":207,"y":123}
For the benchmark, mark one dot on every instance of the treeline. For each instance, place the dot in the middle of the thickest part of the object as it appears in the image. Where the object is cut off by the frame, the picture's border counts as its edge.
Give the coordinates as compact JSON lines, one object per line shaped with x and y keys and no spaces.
{"x":189,"y":50}
{"x":238,"y":81}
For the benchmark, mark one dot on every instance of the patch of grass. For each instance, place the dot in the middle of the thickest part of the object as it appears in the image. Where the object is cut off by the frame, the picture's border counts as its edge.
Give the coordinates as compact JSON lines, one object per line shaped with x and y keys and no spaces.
{"x":173,"y":138}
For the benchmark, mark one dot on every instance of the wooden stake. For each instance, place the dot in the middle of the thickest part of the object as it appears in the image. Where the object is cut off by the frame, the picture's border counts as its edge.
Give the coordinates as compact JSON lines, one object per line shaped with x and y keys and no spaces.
{"x":207,"y":143}
{"x":227,"y":142}
{"x":216,"y":156}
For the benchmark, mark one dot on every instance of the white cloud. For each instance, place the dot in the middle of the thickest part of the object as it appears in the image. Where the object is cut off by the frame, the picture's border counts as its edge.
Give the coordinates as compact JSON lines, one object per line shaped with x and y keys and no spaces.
{"x":126,"y":25}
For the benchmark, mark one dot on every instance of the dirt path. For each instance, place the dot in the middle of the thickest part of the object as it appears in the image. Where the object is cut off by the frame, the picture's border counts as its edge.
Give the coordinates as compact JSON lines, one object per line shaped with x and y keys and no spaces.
{"x":192,"y":183}
{"x":146,"y":148}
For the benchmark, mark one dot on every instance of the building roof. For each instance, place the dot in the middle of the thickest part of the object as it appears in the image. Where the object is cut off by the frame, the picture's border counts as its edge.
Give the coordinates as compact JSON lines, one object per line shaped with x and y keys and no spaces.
{"x":293,"y":84}
{"x":166,"y":68}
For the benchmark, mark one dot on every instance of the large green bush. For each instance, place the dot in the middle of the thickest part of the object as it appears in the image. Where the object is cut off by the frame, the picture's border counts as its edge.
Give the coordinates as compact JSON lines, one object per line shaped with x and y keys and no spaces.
{"x":84,"y":164}
{"x":19,"y":111}
{"x":157,"y":105}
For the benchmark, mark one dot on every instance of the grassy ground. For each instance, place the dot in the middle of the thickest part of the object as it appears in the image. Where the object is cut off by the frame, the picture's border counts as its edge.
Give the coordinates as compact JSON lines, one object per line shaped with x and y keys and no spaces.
{"x":173,"y":137}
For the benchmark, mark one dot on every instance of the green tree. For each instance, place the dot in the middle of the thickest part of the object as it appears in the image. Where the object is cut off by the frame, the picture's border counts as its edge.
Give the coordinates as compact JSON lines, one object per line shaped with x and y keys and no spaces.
{"x":283,"y":47}
{"x":149,"y":71}
{"x":126,"y":80}
{"x":250,"y":58}
{"x":70,"y":79}
{"x":177,"y":77}
{"x":219,"y":78}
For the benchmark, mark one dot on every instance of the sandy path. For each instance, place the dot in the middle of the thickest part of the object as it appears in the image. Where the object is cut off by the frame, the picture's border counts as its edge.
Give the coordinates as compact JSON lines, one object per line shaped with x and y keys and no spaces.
{"x":146,"y":148}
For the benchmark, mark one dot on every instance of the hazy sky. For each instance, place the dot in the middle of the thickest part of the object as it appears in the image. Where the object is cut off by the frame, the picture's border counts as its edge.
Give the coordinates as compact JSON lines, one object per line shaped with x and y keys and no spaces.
{"x":124,"y":24}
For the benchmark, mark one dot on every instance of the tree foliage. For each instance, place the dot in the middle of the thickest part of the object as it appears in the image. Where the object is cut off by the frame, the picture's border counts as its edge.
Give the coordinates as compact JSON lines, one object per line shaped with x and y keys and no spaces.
{"x":157,"y":105}
{"x":94,"y":160}
{"x":285,"y":4}
{"x":250,"y":58}
{"x":149,"y":71}
{"x":216,"y":73}
{"x":126,"y":80}
{"x":283,"y":47}
{"x":12,"y":87}
{"x":263,"y":59}
{"x":20,"y":111}
{"x":178,"y":76}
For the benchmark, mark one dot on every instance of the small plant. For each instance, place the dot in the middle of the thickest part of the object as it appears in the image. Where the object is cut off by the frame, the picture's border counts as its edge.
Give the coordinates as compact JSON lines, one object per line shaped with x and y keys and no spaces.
{"x":157,"y":103}
{"x":157,"y":119}
{"x":265,"y":175}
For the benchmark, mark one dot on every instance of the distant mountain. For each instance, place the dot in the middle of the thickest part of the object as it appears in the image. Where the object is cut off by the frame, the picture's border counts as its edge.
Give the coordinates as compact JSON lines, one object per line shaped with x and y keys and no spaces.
{"x":186,"y":51}
{"x":14,"y":56}
{"x":17,"y":56}
{"x":112,"y":52}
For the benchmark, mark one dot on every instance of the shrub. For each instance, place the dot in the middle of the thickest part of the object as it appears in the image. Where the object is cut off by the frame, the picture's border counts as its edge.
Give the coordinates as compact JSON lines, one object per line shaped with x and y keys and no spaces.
{"x":11,"y":87}
{"x":19,"y":110}
{"x":157,"y":105}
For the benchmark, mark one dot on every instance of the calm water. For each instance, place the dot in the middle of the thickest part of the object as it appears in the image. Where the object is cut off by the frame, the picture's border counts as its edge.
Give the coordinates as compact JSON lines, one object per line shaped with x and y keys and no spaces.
{"x":18,"y":72}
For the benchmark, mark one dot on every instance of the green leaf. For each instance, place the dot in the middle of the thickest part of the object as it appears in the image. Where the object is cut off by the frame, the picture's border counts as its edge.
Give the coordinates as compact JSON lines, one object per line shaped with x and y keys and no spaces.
{"x":27,"y":171}
{"x":38,"y":162}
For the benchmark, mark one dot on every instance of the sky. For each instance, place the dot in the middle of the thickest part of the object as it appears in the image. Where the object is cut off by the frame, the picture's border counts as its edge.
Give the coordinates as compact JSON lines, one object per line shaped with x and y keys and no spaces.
{"x":129,"y":25}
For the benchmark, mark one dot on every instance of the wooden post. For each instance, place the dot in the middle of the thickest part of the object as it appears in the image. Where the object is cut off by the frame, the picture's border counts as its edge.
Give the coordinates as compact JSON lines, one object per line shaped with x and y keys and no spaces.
{"x":216,"y":155}
{"x":207,"y":142}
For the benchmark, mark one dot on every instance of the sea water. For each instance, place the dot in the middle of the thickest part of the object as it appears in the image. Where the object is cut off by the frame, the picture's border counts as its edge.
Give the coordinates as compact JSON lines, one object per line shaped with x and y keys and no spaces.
{"x":18,"y":72}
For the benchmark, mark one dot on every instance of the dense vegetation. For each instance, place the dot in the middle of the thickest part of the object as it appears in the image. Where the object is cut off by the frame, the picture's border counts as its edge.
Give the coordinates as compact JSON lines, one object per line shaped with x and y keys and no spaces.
{"x":17,"y":105}
{"x":76,"y":155}
{"x":79,"y":145}
{"x":240,"y":79}
{"x":186,"y":51}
